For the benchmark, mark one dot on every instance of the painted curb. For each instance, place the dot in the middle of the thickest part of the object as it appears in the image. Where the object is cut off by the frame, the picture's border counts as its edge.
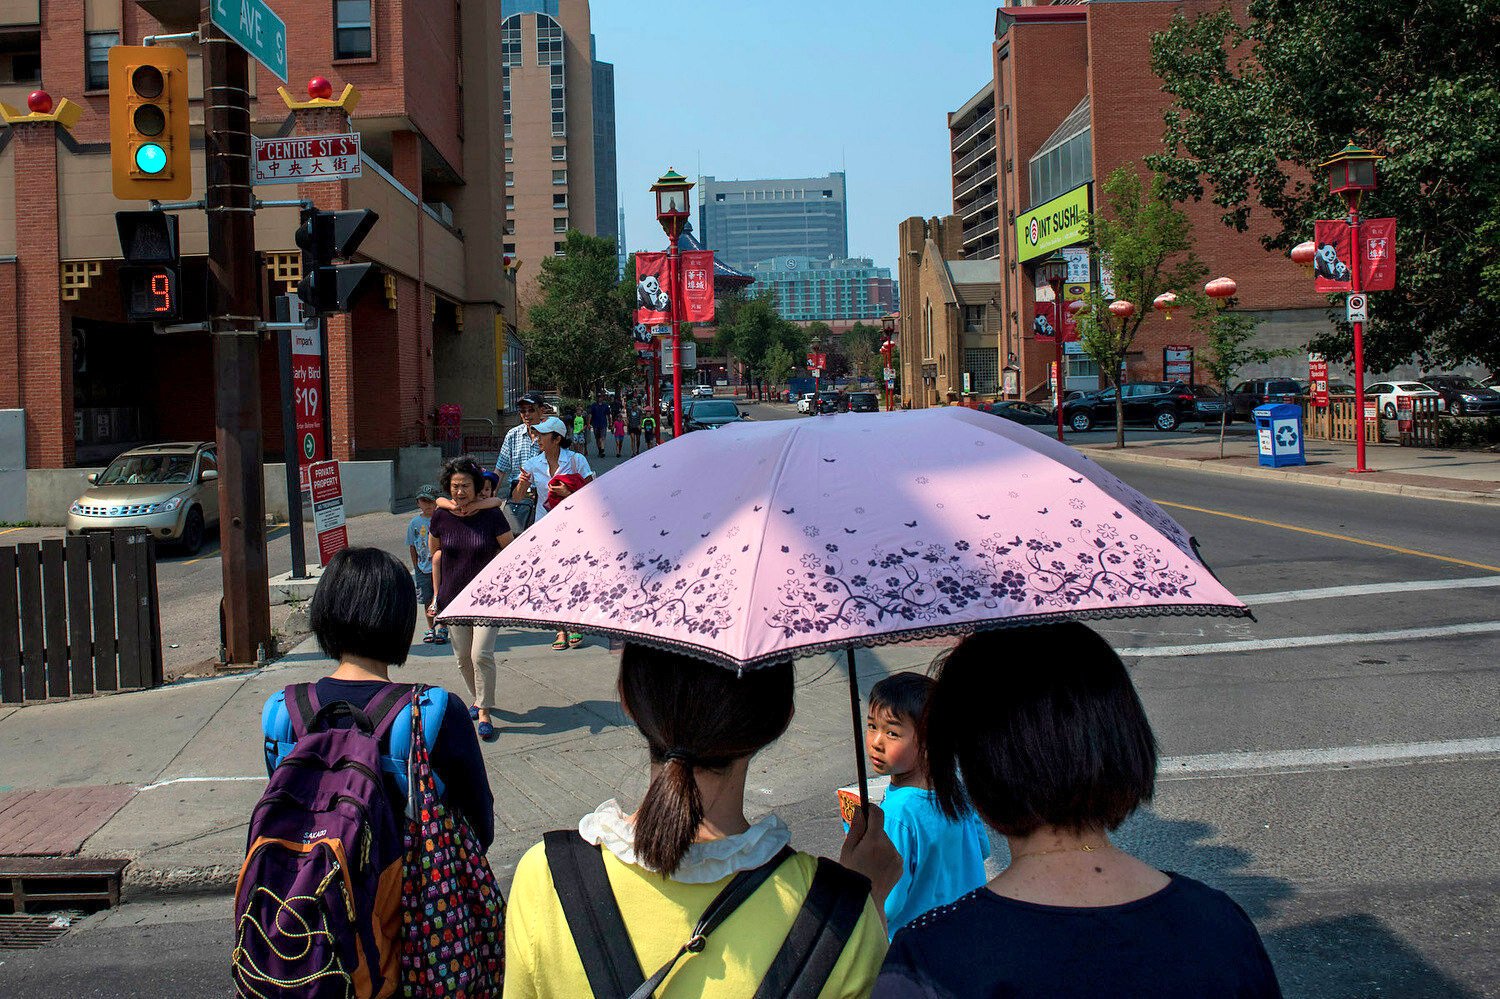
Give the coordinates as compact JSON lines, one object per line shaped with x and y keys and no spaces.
{"x":1362,"y":485}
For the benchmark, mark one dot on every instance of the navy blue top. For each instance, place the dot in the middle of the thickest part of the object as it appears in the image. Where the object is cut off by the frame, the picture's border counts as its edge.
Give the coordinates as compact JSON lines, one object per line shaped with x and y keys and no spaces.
{"x":1187,"y":941}
{"x":455,"y":757}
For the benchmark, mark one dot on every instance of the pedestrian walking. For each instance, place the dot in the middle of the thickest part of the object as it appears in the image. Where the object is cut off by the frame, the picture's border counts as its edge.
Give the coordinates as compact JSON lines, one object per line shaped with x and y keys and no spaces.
{"x":688,"y":887}
{"x":648,"y":428}
{"x":421,"y":556}
{"x":330,"y":834}
{"x":463,"y":541}
{"x":519,"y":447}
{"x":1055,"y":759}
{"x":619,"y":428}
{"x":580,"y":436}
{"x":633,"y":426}
{"x":552,"y":476}
{"x":599,"y":420}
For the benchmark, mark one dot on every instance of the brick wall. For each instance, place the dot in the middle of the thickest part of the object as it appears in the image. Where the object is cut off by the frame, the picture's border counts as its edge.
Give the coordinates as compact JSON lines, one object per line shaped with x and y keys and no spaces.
{"x":46,"y":345}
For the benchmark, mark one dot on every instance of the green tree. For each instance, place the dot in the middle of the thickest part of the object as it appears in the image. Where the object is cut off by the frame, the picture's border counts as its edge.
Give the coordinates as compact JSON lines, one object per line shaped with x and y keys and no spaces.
{"x":861,"y":345}
{"x":752,"y":329}
{"x":1227,"y":336}
{"x":1145,"y":241}
{"x":778,"y":364}
{"x":578,"y":334}
{"x":1258,"y":105}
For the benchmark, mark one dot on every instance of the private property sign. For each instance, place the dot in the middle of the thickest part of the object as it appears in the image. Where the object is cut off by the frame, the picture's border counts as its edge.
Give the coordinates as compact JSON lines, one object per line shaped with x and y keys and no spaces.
{"x":1053,"y":225}
{"x":307,"y":158}
{"x":328,"y":510}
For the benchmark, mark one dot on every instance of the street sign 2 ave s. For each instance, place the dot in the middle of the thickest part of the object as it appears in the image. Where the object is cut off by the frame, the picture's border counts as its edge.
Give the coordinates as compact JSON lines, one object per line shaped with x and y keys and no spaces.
{"x":254,"y":27}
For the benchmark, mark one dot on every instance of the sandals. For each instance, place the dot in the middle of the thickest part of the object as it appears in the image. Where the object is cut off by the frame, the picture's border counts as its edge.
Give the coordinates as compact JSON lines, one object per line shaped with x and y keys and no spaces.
{"x":439,"y":638}
{"x":574,"y":641}
{"x":473,"y":712}
{"x":561,"y":645}
{"x":487,"y":732}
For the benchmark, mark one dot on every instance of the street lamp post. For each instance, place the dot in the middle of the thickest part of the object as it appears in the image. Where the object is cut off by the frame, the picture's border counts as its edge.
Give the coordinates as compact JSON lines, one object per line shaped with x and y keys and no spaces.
{"x":672,"y":201}
{"x":1350,"y":174}
{"x":1054,"y":271}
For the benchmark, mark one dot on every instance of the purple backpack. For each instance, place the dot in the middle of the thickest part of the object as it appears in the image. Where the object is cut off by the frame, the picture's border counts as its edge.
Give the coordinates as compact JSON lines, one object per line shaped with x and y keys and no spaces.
{"x":318,"y":907}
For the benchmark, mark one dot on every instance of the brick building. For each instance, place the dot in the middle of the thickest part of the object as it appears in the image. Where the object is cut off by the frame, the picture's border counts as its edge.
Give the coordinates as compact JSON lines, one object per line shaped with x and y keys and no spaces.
{"x":434,"y":326}
{"x":950,"y":318}
{"x":1073,"y":97}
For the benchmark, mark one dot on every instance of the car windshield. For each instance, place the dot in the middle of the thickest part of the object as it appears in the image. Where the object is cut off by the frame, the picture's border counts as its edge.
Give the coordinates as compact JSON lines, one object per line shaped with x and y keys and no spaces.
{"x":1283,"y":386}
{"x":714,"y":410}
{"x":863,"y":396}
{"x":1413,"y":387}
{"x":147,"y":469}
{"x":1457,"y":381}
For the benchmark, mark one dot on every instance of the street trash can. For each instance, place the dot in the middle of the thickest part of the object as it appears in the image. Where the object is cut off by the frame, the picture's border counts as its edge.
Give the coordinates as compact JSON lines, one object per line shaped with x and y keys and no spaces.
{"x":1278,"y":430}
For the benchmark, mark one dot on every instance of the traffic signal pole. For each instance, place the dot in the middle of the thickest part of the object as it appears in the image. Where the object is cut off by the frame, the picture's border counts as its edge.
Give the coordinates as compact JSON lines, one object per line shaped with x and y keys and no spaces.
{"x":234,"y":312}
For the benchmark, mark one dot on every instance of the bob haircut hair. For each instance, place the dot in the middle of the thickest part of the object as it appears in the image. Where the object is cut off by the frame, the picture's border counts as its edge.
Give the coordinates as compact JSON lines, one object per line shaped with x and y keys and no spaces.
{"x":904,"y":695}
{"x":462,"y":465}
{"x":365,"y":605}
{"x":1039,"y":726}
{"x":694,"y":715}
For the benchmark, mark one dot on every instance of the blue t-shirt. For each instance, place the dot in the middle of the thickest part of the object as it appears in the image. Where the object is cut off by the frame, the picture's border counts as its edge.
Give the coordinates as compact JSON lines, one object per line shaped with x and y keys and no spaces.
{"x":944,"y":859}
{"x":416,"y":537}
{"x":599,"y":417}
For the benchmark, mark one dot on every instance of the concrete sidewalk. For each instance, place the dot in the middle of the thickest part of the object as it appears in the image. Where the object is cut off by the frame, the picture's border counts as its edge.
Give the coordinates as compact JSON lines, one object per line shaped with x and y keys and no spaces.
{"x":1468,"y":476}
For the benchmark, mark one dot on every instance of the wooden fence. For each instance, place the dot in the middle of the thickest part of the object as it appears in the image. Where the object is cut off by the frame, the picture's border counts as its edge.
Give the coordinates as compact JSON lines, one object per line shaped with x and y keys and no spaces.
{"x":1339,"y":420}
{"x":79,"y":616}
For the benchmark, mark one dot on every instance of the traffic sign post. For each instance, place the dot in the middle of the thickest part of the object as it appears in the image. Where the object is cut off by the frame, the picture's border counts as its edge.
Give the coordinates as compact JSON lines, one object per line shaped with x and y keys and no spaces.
{"x":328,"y":510}
{"x":1357,"y":308}
{"x":287,"y":311}
{"x":307,"y":159}
{"x":254,"y":27}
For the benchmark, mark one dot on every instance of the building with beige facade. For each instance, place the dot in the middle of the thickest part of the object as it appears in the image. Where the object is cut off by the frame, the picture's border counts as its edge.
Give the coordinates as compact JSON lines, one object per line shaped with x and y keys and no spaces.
{"x":951,"y":322}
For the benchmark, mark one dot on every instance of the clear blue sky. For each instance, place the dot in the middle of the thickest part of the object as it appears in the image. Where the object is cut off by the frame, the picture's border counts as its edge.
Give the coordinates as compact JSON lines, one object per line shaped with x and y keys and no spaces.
{"x":776,"y":88}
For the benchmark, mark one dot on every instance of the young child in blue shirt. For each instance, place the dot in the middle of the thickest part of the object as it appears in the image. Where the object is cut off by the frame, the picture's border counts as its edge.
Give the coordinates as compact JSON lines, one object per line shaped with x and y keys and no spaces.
{"x":421,"y":559}
{"x":944,"y":859}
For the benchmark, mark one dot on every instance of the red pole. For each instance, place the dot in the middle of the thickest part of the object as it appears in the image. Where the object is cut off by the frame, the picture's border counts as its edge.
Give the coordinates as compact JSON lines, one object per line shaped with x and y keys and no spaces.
{"x":674,"y":279}
{"x":1359,"y":338}
{"x":1057,"y":397}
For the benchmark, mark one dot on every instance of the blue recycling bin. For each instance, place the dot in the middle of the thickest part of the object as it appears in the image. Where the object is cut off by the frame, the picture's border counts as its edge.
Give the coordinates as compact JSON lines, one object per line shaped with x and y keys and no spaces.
{"x":1278,"y":432}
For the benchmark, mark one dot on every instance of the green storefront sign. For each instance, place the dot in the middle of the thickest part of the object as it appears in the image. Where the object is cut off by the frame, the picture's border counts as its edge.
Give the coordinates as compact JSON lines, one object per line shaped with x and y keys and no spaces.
{"x":1052,"y":225}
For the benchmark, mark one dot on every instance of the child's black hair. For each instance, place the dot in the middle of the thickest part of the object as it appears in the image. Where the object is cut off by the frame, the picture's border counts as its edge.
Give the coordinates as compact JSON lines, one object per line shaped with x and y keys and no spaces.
{"x":904,"y":695}
{"x":365,"y":605}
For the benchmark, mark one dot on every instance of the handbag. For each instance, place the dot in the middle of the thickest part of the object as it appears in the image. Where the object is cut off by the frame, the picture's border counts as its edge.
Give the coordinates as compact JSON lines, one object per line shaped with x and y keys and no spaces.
{"x":452,"y":912}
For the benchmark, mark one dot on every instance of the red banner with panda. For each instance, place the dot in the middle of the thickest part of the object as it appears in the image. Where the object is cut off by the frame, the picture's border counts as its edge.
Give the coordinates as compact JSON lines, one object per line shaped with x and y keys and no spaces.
{"x":653,"y":304}
{"x":1334,"y":263}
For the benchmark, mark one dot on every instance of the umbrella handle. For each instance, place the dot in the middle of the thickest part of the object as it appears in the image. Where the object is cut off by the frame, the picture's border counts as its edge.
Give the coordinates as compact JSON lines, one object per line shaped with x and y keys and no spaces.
{"x":859,"y":742}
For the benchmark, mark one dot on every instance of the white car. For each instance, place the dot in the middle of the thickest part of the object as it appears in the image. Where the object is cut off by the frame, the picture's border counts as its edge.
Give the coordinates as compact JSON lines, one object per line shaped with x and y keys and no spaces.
{"x":703,"y":391}
{"x":1385,"y":395}
{"x":805,"y":402}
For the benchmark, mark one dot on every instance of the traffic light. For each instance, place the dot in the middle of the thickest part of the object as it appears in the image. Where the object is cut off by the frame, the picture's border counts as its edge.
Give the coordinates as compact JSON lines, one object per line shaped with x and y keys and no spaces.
{"x":323,"y":238}
{"x":149,"y":278}
{"x":149,"y":155}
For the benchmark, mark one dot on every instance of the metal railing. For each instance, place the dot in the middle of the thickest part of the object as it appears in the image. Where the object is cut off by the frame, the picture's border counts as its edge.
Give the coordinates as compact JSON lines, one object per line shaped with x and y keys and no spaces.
{"x":974,"y":155}
{"x":986,"y":121}
{"x":973,"y":183}
{"x":975,"y":207}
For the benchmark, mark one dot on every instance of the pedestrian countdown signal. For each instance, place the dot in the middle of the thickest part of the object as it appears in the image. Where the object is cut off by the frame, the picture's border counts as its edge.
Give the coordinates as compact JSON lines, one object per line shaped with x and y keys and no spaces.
{"x":148,"y":123}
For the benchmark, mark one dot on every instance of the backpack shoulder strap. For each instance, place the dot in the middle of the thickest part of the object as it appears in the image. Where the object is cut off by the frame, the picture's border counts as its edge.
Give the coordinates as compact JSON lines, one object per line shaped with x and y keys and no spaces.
{"x":302,"y":704}
{"x":383,"y":708}
{"x":276,"y":728}
{"x":593,"y":915}
{"x":824,"y":925}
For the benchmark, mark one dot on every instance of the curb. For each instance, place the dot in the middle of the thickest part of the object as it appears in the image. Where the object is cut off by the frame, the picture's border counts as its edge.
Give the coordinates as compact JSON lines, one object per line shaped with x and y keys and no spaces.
{"x":1361,"y":485}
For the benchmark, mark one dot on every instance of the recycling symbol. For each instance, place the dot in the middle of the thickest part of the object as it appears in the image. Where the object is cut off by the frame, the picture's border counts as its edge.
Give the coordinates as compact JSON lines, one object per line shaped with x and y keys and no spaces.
{"x":1286,"y":436}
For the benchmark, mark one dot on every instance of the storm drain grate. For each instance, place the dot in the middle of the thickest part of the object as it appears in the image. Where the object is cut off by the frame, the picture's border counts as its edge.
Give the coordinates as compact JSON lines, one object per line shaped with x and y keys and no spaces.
{"x":28,"y":932}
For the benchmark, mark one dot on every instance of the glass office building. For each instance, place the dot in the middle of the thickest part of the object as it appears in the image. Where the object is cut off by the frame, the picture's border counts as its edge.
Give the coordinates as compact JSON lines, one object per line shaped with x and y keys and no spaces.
{"x":748,"y":221}
{"x":807,"y":289}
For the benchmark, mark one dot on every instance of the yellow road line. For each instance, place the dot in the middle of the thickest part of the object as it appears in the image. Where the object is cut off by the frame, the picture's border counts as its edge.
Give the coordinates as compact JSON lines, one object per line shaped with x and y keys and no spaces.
{"x":10,"y":529}
{"x":1336,"y":537}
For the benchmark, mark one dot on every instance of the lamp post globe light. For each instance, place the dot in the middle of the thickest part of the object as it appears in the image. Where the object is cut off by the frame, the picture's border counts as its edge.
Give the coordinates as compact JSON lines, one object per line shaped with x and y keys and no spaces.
{"x":1351,"y":173}
{"x":673,"y":207}
{"x":1054,"y":271}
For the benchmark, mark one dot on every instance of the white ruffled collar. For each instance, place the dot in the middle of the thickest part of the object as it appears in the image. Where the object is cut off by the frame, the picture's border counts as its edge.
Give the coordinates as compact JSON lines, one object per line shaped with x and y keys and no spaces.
{"x":608,"y":826}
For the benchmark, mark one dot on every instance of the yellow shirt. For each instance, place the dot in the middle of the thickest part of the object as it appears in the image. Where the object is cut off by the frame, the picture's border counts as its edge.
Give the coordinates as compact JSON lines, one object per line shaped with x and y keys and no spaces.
{"x":541,"y":961}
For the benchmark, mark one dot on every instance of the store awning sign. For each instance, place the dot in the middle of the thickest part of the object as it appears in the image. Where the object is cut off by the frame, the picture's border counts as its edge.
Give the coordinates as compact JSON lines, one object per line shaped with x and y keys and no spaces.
{"x":1053,"y":225}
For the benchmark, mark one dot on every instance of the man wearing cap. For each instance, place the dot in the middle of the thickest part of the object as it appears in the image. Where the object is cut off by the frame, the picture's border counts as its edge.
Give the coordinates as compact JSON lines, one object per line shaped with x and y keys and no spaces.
{"x":516,"y":450}
{"x":421,"y":557}
{"x":556,"y":473}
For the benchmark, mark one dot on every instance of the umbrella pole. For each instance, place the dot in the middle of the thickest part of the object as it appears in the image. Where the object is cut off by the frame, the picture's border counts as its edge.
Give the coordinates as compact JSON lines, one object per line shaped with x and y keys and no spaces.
{"x":859,"y":729}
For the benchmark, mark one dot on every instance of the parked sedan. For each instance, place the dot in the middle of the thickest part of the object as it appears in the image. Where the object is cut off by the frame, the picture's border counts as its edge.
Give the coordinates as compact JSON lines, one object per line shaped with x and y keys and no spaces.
{"x":1245,"y":396}
{"x":1021,"y":412}
{"x":703,"y":391}
{"x":1162,"y":405}
{"x":1210,"y":406}
{"x":832,"y":402}
{"x":1385,"y":395}
{"x":864,"y":402}
{"x":1463,"y":395}
{"x":710,"y":414}
{"x":166,"y":489}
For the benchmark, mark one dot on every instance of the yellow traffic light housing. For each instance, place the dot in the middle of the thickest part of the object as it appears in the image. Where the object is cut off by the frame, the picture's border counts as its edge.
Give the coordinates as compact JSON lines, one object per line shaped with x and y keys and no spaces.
{"x":148,"y":123}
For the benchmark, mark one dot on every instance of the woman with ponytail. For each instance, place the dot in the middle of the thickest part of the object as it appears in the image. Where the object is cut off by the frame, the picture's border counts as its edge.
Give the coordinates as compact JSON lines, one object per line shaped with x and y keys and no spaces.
{"x":686,"y":896}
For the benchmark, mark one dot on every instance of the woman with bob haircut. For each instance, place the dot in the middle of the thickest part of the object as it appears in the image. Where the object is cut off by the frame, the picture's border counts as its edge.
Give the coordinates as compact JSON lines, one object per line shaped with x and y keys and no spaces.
{"x":687,"y":887}
{"x":1040,"y":730}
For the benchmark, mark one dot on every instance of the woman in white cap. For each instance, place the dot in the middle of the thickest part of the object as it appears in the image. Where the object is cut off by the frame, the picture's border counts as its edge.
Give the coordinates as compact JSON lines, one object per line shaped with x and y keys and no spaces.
{"x":553,"y":475}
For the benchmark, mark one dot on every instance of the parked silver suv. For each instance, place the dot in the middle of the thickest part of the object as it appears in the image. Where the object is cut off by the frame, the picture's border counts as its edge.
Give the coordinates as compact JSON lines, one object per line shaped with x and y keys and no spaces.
{"x":167,"y":489}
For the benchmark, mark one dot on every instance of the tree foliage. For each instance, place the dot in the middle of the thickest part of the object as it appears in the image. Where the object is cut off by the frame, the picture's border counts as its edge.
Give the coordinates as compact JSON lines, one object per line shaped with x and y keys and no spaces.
{"x":778,"y":364}
{"x":1227,"y":336}
{"x":1146,"y":242}
{"x":1258,"y":105}
{"x":750,"y":326}
{"x":578,"y":335}
{"x":861,"y":345}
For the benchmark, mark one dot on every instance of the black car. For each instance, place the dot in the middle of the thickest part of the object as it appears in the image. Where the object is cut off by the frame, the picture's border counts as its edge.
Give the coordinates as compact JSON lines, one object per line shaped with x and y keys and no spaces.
{"x":832,"y":402}
{"x":1162,"y":405}
{"x":1464,"y":396}
{"x":1258,"y":391}
{"x":864,"y":402}
{"x":1021,"y":412}
{"x":1210,"y":406}
{"x":709,"y":414}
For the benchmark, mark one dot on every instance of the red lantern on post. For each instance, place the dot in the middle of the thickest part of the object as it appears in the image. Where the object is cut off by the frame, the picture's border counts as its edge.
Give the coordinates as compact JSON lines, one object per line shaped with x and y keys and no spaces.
{"x":1165,"y":303}
{"x":1303,"y":253}
{"x":1122,"y":309}
{"x":1221,"y":288}
{"x":1079,"y":306}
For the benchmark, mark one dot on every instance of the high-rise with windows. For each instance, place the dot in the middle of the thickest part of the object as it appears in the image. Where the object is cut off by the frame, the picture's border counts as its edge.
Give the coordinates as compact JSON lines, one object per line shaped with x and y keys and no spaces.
{"x":558,"y":106}
{"x":748,"y":221}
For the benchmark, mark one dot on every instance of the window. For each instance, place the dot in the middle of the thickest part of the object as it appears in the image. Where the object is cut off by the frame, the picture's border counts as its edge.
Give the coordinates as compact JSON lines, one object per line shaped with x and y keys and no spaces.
{"x":560,"y":201}
{"x":559,"y":123}
{"x":510,"y":249}
{"x":973,"y":319}
{"x":559,"y":177}
{"x":510,"y":179}
{"x":96,"y":45}
{"x":510,"y":202}
{"x":927,"y":344}
{"x":559,"y":153}
{"x":510,"y":155}
{"x":510,"y":42}
{"x":559,"y":249}
{"x":510,"y":227}
{"x":560,"y":224}
{"x":352,"y":35}
{"x":549,"y":41}
{"x":983,"y":366}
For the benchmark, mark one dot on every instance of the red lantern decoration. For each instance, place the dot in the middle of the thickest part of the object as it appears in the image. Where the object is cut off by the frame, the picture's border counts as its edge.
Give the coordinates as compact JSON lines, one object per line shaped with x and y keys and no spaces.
{"x":1079,"y":306}
{"x":39,"y":102}
{"x":1165,"y":303}
{"x":1303,"y":253}
{"x":1221,"y":287}
{"x":1122,"y":309}
{"x":318,"y":88}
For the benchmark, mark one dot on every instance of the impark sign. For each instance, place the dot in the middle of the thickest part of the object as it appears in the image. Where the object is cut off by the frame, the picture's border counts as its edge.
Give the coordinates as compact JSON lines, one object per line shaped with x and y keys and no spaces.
{"x":1053,"y":225}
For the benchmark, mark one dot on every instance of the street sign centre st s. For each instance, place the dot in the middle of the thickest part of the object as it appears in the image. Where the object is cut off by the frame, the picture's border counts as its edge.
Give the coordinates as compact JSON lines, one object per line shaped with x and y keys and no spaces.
{"x":254,"y":27}
{"x":306,"y":158}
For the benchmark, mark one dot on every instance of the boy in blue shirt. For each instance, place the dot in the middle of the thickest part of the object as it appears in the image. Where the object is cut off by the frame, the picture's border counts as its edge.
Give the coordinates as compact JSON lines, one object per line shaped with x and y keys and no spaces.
{"x":944,"y":859}
{"x":421,"y":559}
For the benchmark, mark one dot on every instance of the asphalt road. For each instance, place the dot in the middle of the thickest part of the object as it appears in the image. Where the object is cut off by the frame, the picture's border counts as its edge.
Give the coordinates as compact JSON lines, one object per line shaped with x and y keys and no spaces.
{"x":1333,"y":764}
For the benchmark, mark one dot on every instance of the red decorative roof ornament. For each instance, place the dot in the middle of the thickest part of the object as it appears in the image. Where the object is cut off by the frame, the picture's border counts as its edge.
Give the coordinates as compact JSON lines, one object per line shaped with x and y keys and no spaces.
{"x":39,"y":102}
{"x":1165,"y":303}
{"x":318,"y":88}
{"x":1221,"y":287}
{"x":1122,"y":309}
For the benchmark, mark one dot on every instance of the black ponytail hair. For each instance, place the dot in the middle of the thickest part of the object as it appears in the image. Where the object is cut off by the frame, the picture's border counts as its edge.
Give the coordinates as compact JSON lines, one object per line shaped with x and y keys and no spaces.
{"x":695,"y":716}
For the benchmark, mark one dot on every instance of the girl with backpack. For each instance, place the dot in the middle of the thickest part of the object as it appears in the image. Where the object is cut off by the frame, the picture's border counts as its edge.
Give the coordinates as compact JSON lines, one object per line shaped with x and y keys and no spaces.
{"x":687,"y":890}
{"x":339,"y":868}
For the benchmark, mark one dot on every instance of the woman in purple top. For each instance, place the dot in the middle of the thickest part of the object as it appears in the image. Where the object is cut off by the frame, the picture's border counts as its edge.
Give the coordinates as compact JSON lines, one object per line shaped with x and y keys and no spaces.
{"x":463,"y":541}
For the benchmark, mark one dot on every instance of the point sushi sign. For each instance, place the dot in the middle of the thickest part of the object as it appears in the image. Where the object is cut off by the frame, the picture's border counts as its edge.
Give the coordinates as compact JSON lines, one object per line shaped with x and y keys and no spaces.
{"x":1053,"y":225}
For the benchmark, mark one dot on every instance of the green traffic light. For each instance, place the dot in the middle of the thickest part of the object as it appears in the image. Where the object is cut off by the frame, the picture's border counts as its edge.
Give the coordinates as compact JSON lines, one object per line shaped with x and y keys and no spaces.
{"x":150,"y":158}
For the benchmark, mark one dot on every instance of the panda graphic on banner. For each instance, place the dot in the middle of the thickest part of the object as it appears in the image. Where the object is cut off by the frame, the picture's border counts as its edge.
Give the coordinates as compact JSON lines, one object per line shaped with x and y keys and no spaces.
{"x":653,"y":303}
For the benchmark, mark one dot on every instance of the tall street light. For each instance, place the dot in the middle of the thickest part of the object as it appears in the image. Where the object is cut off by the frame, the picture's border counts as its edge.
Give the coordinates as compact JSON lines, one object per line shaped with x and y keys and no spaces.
{"x":1350,"y":174}
{"x":672,"y":210}
{"x":1054,"y":271}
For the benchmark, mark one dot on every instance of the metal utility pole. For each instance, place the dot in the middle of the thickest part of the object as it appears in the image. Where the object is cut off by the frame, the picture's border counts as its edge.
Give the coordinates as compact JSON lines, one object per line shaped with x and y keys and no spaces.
{"x":234,"y":311}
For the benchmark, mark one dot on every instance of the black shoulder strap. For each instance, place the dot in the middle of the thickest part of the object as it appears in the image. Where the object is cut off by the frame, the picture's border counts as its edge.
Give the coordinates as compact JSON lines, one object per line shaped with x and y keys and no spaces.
{"x":593,"y":915}
{"x":818,"y":935}
{"x":384,"y":706}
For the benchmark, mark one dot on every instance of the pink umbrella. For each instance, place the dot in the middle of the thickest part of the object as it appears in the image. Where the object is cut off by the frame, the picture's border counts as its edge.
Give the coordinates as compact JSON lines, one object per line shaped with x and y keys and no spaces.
{"x":762,"y":541}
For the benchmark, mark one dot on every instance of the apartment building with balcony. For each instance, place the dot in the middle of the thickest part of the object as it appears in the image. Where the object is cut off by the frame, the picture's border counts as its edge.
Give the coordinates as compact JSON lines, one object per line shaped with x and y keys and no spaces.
{"x":976,"y":185}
